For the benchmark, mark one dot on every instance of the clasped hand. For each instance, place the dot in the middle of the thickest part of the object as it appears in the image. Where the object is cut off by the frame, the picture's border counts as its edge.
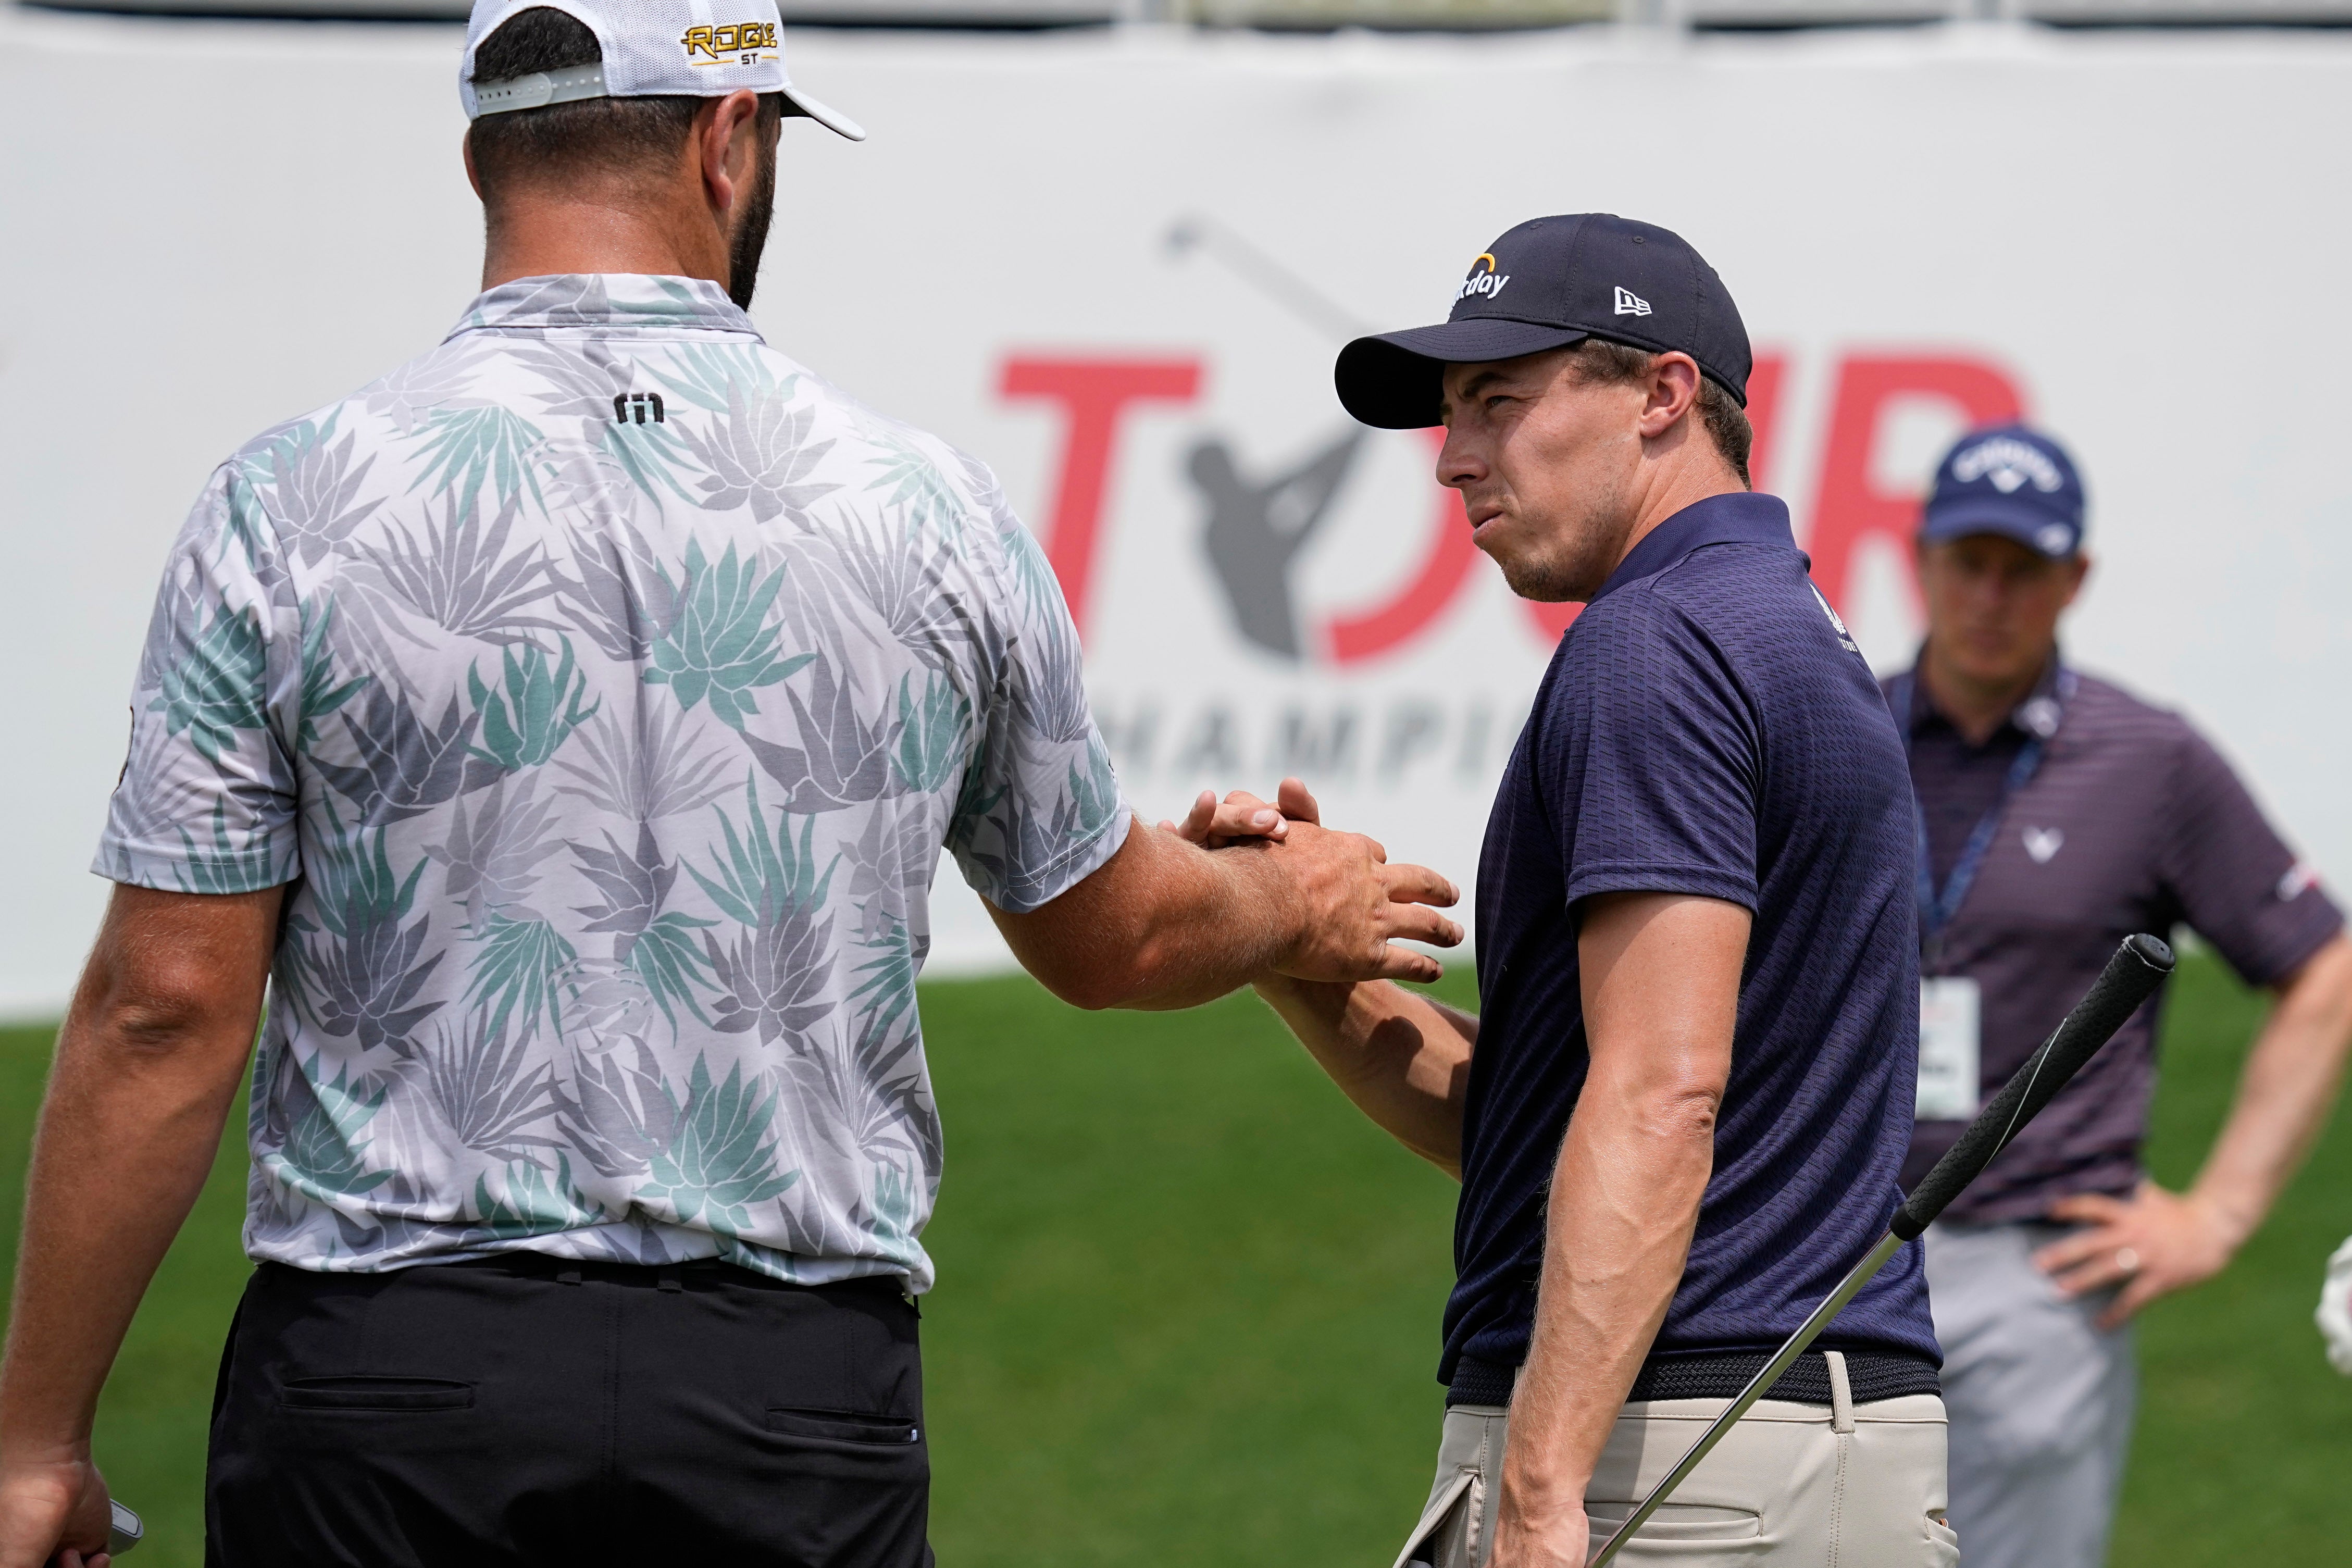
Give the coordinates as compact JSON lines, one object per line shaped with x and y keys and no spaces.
{"x":1360,"y":906}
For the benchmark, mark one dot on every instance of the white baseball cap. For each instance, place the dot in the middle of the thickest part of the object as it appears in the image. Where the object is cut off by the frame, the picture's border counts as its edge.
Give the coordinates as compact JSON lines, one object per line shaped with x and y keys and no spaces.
{"x":689,"y":48}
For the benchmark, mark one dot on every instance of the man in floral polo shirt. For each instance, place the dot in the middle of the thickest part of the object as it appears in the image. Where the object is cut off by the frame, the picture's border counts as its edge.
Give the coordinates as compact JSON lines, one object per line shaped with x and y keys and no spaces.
{"x":567,"y":727}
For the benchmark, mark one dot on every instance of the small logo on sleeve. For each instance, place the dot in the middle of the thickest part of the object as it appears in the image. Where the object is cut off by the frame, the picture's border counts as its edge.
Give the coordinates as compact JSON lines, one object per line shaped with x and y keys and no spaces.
{"x":1631,"y":304}
{"x":733,"y":43}
{"x":1482,"y":281}
{"x":1845,"y":639}
{"x":2041,"y":843}
{"x":2300,"y":878}
{"x":642,"y":404}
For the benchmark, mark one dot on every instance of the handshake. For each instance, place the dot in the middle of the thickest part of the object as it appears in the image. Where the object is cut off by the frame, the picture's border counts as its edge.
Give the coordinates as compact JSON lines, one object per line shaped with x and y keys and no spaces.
{"x":1240,"y":891}
{"x":1358,"y":905}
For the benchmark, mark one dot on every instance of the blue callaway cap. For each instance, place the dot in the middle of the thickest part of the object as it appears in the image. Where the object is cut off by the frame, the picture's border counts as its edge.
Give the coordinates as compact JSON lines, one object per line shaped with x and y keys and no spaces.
{"x":1551,"y":282}
{"x":2009,"y":480}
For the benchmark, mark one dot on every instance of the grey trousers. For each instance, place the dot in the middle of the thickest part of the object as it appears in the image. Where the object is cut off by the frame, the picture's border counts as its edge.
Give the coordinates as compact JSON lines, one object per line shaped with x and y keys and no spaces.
{"x":2041,"y":1401}
{"x":1853,"y":1486}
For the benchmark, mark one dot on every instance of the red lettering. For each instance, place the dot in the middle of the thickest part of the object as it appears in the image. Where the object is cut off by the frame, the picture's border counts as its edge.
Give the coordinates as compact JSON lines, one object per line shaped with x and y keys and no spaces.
{"x":1093,"y":395}
{"x":1444,"y":567}
{"x":1764,"y":383}
{"x":1847,"y":505}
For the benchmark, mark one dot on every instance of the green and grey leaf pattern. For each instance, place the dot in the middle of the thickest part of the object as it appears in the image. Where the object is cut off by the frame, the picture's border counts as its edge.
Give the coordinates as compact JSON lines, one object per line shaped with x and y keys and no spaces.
{"x":607,"y":765}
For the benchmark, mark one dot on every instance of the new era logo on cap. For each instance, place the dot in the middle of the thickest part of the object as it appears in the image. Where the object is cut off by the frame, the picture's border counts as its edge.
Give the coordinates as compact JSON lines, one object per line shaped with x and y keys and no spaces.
{"x":1629,"y":303}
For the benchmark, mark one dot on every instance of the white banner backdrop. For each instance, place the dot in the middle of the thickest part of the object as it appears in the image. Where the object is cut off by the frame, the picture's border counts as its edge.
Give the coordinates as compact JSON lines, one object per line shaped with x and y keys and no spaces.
{"x":1116,"y":266}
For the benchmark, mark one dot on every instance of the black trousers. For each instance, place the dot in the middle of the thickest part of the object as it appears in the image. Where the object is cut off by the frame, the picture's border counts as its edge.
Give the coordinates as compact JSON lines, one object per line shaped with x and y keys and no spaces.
{"x":529,"y":1410}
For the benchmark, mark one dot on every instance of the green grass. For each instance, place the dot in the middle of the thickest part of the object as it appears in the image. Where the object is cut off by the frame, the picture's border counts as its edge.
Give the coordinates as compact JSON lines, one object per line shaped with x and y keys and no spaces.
{"x":1189,"y":1307}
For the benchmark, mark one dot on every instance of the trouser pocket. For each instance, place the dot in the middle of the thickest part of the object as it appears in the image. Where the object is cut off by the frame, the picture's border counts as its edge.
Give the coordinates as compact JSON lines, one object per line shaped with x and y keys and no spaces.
{"x":1447,"y":1534}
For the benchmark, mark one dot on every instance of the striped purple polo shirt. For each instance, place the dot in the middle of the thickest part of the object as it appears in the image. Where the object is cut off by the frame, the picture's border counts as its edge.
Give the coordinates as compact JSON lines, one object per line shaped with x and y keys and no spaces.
{"x":2132,"y":823}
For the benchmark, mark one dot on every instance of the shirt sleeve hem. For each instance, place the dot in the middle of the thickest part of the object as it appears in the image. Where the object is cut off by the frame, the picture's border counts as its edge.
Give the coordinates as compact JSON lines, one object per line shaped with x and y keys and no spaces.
{"x":1027,"y":893}
{"x":180,"y":873}
{"x":2316,"y":936}
{"x":1654,"y":879}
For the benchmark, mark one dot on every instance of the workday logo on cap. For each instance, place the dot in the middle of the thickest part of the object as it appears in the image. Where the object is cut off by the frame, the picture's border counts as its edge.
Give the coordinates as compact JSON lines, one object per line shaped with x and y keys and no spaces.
{"x":2010,"y":480}
{"x":1482,"y":278}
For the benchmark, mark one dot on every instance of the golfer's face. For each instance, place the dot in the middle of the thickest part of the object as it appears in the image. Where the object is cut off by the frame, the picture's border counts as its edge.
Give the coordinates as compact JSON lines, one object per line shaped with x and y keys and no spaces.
{"x":1993,"y":605}
{"x":1541,"y":456}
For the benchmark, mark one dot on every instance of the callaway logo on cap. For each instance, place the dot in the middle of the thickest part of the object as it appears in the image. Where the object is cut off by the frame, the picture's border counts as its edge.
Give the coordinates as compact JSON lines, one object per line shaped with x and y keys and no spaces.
{"x":684,"y":48}
{"x":2012,"y":481}
{"x":1551,"y":282}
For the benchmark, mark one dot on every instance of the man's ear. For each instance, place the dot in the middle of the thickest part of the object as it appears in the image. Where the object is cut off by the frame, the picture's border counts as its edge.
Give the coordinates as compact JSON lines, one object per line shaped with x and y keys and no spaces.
{"x":1674,"y":387}
{"x":465,"y":151}
{"x":726,"y":142}
{"x":2080,"y":568}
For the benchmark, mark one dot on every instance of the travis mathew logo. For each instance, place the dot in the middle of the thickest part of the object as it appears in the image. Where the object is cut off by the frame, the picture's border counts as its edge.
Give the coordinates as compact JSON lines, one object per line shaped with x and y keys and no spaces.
{"x":1479,"y":282}
{"x":735,"y":42}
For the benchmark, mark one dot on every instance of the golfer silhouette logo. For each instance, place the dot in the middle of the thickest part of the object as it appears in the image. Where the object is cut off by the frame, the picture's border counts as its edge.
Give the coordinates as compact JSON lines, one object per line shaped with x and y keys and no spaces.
{"x":1255,"y":531}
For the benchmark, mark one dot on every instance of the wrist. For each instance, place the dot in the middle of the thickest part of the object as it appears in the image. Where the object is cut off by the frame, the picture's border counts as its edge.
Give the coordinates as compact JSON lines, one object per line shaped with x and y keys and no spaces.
{"x":2229,"y":1221}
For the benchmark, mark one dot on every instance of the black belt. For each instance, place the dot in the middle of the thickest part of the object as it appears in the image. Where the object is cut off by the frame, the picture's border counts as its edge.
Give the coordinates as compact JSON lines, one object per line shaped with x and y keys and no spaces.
{"x":1870,"y":1376}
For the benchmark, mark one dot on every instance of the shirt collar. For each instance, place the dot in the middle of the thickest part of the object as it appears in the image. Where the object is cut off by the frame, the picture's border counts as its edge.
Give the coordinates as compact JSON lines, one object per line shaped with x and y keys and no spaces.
{"x":2038,"y":715}
{"x":606,"y":301}
{"x":1740,"y":518}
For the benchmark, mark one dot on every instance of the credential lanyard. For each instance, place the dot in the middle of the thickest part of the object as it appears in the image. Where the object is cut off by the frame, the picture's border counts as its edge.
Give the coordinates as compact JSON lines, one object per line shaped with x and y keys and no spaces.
{"x":1937,"y":908}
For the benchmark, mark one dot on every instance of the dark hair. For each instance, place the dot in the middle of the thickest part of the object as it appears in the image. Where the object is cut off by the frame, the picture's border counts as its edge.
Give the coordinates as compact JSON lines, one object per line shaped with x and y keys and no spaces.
{"x":1609,"y":363}
{"x":590,"y":135}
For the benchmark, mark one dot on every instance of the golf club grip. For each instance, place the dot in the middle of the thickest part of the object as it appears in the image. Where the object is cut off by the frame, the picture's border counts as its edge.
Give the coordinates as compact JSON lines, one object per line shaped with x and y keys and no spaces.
{"x":2131,"y":976}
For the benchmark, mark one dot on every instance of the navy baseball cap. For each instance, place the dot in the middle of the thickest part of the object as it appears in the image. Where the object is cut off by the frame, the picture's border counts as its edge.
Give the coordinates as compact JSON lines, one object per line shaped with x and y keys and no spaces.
{"x":1551,"y":282}
{"x":2010,"y":480}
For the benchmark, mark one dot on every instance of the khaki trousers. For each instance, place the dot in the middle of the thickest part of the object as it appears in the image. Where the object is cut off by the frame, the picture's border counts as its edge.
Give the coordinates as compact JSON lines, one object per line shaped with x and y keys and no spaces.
{"x":1849,"y":1486}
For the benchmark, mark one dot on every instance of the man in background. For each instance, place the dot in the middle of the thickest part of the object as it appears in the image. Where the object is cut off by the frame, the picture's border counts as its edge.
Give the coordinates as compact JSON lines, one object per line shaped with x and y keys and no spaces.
{"x":567,"y":727}
{"x":2058,"y":814}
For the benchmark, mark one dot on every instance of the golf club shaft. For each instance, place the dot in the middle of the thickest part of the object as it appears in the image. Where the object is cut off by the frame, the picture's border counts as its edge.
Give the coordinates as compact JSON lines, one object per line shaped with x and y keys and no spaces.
{"x":2131,"y":977}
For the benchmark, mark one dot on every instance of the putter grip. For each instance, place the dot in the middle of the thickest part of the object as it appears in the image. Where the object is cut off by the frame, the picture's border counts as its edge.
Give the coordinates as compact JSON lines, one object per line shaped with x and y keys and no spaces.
{"x":2130,"y":978}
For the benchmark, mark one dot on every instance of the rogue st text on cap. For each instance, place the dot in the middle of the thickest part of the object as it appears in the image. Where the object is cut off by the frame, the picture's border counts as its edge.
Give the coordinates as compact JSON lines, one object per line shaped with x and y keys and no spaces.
{"x":2011,"y":480}
{"x":679,"y":48}
{"x":1551,"y":282}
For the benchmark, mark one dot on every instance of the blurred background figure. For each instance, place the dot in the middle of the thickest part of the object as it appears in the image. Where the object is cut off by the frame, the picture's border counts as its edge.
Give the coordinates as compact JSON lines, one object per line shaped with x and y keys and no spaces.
{"x":2057,"y":814}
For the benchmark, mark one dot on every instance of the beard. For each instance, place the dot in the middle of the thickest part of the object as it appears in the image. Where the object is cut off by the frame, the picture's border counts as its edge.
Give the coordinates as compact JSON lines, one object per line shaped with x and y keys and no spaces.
{"x":751,"y":237}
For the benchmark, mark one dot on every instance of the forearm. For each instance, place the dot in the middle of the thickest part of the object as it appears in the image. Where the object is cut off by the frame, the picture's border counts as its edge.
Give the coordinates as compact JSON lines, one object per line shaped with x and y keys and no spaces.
{"x":2285,"y":1095}
{"x":146,"y":1067}
{"x":1624,"y":1201}
{"x":1164,"y":924}
{"x":1403,"y":1057}
{"x":128,"y":1133}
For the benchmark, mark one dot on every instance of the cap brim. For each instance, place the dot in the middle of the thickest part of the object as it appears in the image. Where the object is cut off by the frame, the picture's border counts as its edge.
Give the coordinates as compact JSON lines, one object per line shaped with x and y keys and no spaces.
{"x":2020,"y":523}
{"x":1394,"y":381}
{"x":833,"y":119}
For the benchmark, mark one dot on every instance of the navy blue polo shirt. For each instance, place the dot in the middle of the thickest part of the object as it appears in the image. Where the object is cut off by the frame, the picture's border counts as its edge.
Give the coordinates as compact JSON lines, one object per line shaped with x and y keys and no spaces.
{"x":1707,"y":727}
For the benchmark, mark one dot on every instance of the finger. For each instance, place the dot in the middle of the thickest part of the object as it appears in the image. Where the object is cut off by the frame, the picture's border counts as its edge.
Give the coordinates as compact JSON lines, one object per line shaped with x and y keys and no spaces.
{"x":2095,"y":1274}
{"x":2127,"y":1303}
{"x":1378,"y":850}
{"x":1418,"y":923}
{"x":1400,"y":963}
{"x":1294,"y":802}
{"x":1197,"y":821}
{"x":1248,"y":818}
{"x":2071,"y":1250}
{"x":2090,"y":1208}
{"x":1408,"y":883}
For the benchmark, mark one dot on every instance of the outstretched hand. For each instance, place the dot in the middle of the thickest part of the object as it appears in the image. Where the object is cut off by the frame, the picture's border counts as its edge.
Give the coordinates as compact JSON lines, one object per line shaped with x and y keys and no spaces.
{"x":1361,"y":907}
